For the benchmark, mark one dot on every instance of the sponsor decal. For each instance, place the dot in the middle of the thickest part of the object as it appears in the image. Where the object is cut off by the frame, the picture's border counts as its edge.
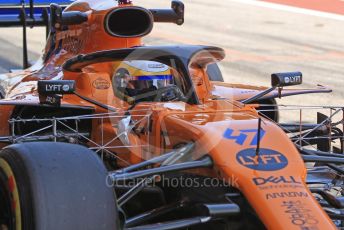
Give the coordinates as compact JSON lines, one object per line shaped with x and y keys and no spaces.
{"x":155,"y":65}
{"x":293,"y":79}
{"x":65,"y":88}
{"x":101,"y":83}
{"x":49,"y":87}
{"x":275,"y":195}
{"x":148,"y":66}
{"x":247,"y":91}
{"x":300,"y":215}
{"x":56,"y":88}
{"x":275,"y":180}
{"x":267,"y":160}
{"x":54,"y":100}
{"x":249,"y":136}
{"x":68,"y":33}
{"x":154,"y":77}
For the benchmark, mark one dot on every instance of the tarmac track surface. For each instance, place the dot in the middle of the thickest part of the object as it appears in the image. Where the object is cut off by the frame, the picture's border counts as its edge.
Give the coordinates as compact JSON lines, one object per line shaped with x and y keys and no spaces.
{"x":259,"y":38}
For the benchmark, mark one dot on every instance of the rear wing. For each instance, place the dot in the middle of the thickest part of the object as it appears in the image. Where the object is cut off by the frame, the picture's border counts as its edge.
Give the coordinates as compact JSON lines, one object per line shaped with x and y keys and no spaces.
{"x":14,"y":13}
{"x":23,"y":13}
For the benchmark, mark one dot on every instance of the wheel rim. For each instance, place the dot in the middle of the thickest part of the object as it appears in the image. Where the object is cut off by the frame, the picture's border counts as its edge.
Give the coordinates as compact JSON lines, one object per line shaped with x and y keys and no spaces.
{"x":10,"y":215}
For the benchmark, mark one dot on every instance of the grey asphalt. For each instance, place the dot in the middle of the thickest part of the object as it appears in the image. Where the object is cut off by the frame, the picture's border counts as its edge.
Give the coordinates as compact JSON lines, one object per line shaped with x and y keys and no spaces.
{"x":258,"y":42}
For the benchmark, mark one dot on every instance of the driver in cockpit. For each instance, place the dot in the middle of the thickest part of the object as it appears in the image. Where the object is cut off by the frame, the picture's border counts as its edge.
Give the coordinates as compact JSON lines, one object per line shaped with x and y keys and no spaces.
{"x":136,"y":81}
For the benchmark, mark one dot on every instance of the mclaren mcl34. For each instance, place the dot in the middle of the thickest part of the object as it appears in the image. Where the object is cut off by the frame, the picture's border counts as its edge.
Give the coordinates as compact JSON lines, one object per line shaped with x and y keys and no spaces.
{"x":105,"y":133}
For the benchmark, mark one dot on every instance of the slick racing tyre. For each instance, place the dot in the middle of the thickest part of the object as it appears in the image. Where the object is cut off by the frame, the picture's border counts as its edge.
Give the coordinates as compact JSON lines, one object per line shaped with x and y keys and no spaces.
{"x":54,"y":186}
{"x":214,"y":72}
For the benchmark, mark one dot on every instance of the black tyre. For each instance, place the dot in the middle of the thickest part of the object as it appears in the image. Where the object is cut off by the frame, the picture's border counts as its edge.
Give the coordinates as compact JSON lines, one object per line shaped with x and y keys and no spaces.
{"x":214,"y":72}
{"x":54,"y":186}
{"x":2,"y":92}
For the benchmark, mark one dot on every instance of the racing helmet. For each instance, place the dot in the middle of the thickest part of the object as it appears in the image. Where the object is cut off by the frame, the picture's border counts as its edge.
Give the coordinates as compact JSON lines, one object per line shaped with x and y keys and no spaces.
{"x":138,"y":78}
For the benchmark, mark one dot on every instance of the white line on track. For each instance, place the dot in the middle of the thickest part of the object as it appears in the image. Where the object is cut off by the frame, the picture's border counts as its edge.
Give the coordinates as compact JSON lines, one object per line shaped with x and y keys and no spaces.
{"x":292,"y":9}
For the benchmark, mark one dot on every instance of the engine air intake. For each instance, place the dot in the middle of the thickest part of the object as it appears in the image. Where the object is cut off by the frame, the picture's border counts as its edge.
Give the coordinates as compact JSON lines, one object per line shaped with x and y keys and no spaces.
{"x":129,"y":22}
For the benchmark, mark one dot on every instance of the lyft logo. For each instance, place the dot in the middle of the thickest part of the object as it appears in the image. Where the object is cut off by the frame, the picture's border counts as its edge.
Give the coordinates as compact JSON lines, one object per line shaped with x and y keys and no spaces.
{"x":266,"y":160}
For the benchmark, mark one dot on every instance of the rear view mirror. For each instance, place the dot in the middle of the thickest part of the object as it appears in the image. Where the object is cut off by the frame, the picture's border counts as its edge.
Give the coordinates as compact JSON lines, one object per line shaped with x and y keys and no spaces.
{"x":278,"y":80}
{"x":51,"y":91}
{"x":52,"y":87}
{"x":286,"y":79}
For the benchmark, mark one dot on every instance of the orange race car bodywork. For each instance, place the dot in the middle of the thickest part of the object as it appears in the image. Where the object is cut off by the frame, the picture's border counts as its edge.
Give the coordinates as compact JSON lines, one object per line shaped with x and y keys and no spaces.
{"x":273,"y":180}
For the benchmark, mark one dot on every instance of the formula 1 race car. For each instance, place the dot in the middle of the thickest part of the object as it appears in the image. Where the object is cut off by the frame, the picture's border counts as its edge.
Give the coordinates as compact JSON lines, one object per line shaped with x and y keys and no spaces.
{"x":104,"y":133}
